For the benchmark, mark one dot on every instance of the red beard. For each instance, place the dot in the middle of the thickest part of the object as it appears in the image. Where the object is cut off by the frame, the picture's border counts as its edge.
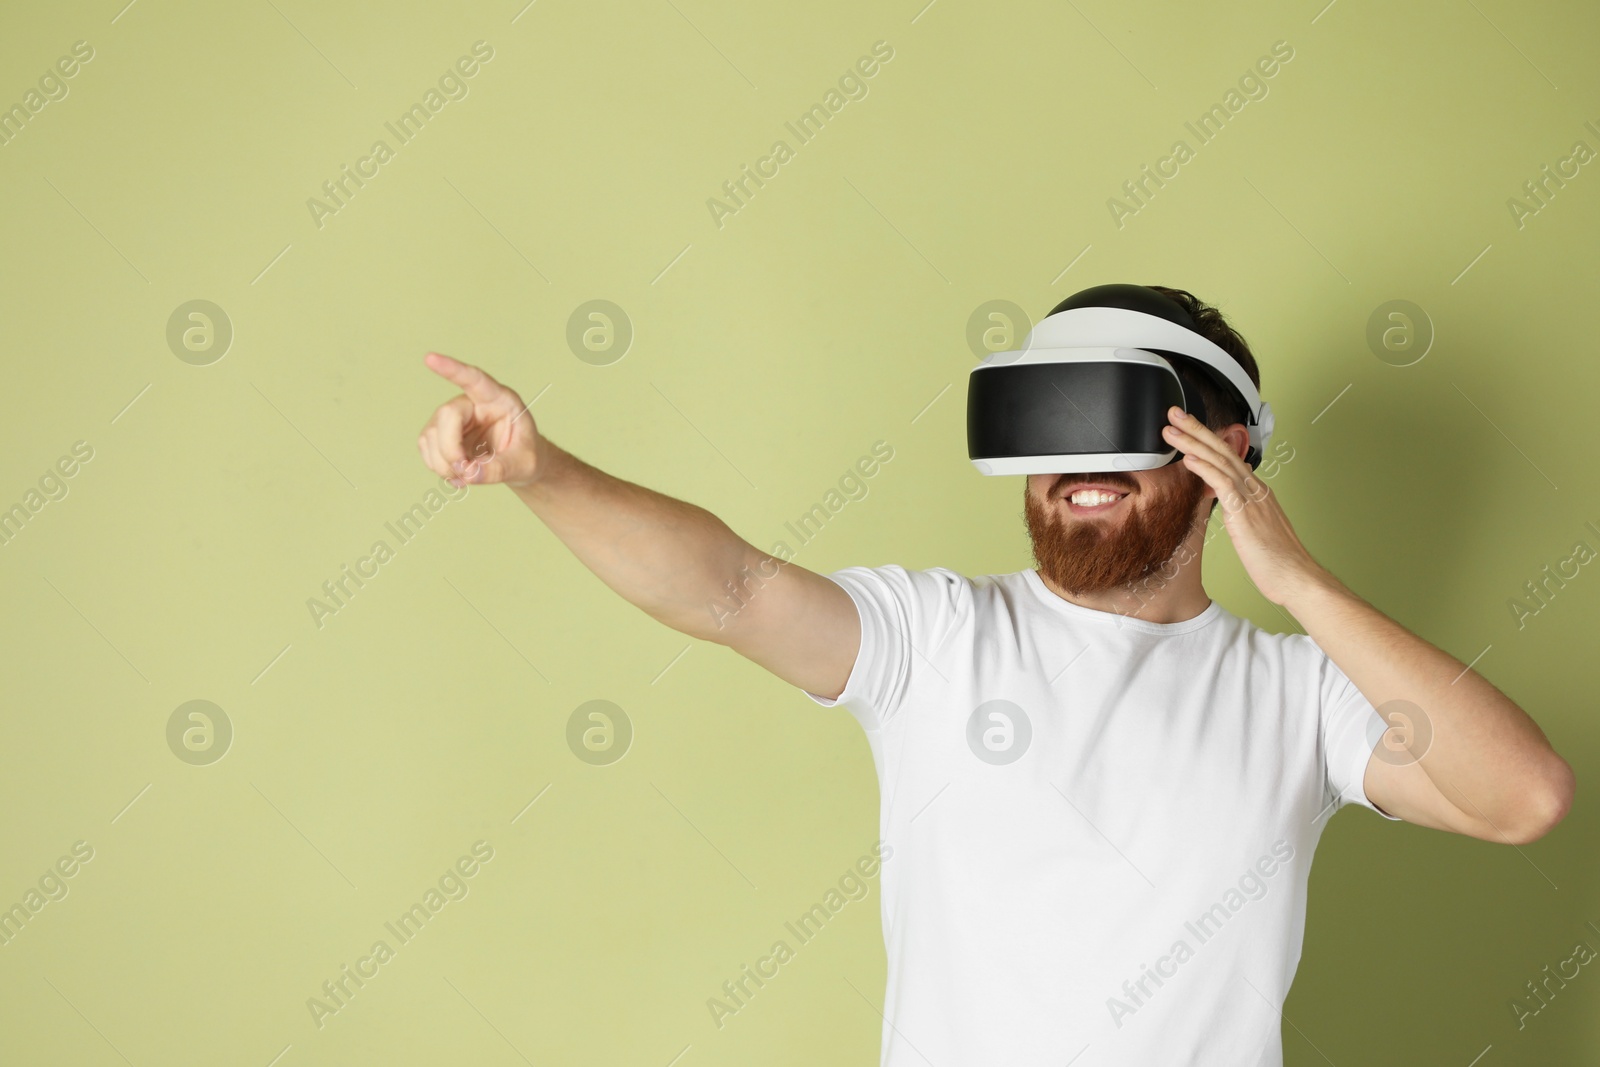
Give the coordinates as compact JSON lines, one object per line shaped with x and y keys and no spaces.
{"x":1091,"y":555}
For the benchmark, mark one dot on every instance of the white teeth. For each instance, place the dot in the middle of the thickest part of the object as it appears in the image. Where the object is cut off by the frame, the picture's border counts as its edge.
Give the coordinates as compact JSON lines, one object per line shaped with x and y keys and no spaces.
{"x":1092,"y":497}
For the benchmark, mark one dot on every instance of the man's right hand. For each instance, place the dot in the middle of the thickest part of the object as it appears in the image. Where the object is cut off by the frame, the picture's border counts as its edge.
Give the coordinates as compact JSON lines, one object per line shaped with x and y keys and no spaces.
{"x":674,"y":560}
{"x":485,"y":436}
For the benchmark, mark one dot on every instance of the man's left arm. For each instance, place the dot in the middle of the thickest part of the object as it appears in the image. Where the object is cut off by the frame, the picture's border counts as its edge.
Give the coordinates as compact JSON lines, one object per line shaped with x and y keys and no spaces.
{"x":1488,"y":770}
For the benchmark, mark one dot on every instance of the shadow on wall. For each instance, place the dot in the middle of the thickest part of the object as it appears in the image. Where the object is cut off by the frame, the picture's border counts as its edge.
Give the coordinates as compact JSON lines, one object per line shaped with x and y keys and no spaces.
{"x":1390,"y":481}
{"x":1420,"y":946}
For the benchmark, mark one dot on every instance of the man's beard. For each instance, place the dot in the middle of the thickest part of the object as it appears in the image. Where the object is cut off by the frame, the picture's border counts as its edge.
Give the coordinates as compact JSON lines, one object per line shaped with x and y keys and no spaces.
{"x":1089,"y":555}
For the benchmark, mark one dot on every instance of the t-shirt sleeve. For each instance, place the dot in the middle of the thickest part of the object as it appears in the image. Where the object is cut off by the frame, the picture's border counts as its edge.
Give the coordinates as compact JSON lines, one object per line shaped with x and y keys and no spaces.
{"x":905,"y":616}
{"x":1351,"y":729}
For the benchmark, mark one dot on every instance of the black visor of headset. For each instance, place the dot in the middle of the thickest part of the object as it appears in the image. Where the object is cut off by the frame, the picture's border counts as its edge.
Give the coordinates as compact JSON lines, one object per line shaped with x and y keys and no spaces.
{"x":1090,"y":389}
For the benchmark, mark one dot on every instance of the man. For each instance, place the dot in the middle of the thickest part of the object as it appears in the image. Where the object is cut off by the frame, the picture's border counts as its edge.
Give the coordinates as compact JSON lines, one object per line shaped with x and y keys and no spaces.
{"x":1102,"y":791}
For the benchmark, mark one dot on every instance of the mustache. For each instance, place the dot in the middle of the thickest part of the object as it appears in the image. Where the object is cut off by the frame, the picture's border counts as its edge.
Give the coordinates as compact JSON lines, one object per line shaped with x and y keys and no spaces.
{"x":1119,"y":479}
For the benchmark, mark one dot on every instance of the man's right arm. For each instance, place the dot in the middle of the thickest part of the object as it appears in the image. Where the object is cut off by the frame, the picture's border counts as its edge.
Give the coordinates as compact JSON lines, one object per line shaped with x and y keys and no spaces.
{"x":684,"y":567}
{"x":674,"y":560}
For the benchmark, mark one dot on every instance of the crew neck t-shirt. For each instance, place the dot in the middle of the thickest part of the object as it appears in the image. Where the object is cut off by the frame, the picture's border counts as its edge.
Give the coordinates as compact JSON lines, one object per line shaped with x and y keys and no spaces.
{"x":1099,"y":828}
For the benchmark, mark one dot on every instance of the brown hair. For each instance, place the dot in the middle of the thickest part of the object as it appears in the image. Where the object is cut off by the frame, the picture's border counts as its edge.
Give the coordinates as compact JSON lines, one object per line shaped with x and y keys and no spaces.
{"x":1223,"y":409}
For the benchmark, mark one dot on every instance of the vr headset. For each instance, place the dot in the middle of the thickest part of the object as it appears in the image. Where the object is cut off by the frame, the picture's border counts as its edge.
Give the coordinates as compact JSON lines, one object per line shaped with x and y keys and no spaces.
{"x":1090,"y":388}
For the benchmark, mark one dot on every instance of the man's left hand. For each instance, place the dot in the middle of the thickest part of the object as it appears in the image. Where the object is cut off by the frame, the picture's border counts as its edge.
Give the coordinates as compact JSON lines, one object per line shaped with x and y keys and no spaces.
{"x":1272,"y":555}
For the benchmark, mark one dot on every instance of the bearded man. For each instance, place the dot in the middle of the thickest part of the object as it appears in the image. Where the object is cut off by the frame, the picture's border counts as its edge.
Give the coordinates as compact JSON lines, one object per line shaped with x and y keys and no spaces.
{"x":1100,"y":791}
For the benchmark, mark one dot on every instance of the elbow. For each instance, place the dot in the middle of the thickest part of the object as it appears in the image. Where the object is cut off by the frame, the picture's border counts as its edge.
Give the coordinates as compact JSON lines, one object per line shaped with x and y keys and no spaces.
{"x":1546,"y":802}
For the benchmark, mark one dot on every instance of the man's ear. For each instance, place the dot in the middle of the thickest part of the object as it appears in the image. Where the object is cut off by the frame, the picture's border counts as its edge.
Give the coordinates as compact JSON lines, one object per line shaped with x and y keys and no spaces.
{"x":1237,"y":437}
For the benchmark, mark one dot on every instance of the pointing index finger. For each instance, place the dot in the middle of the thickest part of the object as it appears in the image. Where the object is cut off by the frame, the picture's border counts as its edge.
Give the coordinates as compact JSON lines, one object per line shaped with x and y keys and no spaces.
{"x":478,"y":386}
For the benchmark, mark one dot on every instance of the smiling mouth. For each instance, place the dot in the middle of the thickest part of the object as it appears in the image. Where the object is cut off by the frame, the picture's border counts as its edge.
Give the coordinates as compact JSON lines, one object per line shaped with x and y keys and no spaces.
{"x":1093,"y":502}
{"x":1092,"y":496}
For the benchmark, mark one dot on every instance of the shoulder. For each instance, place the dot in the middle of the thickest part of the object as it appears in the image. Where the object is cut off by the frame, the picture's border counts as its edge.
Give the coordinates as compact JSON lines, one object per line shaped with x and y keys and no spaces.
{"x":1294,"y":658}
{"x":1288,"y":649}
{"x":931,"y":601}
{"x":930,"y":585}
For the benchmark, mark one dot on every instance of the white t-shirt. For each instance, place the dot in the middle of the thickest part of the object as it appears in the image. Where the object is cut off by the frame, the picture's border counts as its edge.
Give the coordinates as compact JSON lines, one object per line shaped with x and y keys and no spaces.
{"x":1100,"y":828}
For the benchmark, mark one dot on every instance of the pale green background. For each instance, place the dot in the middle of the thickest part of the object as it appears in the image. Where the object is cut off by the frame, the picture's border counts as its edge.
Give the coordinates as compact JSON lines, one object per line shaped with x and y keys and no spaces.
{"x":825,"y":316}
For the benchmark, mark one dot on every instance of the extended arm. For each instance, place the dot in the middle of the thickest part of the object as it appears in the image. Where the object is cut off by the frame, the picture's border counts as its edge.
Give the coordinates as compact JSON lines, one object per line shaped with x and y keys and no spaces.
{"x":674,"y":560}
